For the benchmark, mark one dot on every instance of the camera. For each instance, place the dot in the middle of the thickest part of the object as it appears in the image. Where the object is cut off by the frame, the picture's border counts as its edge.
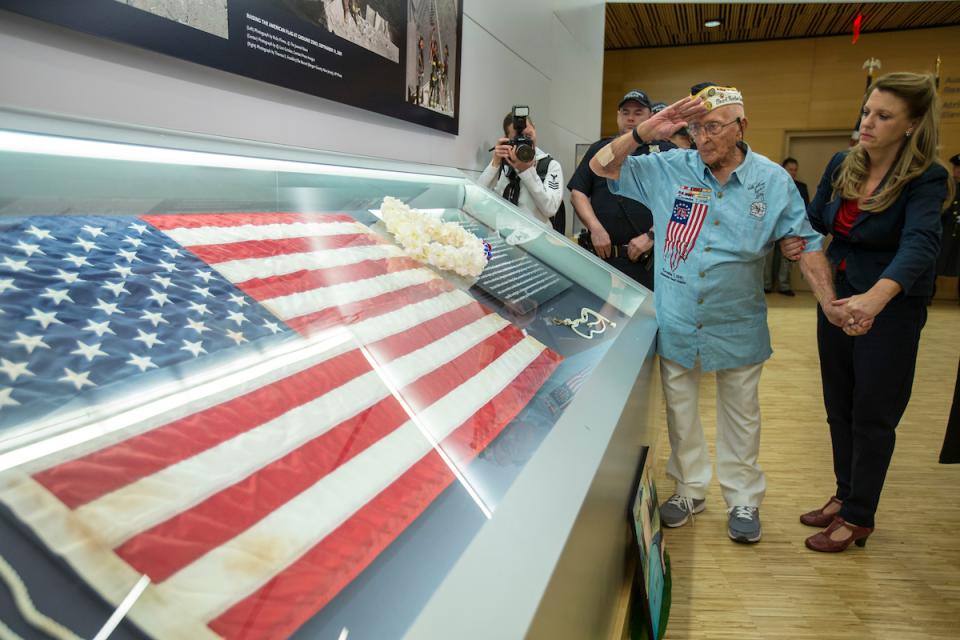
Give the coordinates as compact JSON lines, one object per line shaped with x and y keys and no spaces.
{"x":523,"y":144}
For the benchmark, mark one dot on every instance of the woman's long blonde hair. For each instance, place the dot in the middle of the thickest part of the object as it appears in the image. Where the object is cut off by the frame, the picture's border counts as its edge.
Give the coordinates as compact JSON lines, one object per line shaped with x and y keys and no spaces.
{"x":918,"y":152}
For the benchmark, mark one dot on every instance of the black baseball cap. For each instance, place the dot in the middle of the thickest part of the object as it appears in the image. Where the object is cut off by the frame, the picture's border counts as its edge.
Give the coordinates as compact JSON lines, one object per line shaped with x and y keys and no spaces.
{"x":657,"y":107}
{"x":637,"y":96}
{"x":955,"y":160}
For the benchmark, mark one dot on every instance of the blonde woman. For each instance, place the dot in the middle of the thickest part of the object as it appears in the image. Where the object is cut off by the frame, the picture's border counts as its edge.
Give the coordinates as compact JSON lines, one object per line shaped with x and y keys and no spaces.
{"x":881,"y":202}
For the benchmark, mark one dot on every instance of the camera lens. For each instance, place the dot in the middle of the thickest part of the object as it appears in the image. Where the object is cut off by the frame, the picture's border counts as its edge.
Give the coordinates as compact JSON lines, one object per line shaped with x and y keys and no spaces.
{"x":525,"y":153}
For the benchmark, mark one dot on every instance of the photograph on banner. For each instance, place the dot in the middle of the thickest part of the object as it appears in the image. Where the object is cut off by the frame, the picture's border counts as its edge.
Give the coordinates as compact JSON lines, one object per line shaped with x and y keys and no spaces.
{"x":373,"y":24}
{"x":206,"y":15}
{"x":432,"y":54}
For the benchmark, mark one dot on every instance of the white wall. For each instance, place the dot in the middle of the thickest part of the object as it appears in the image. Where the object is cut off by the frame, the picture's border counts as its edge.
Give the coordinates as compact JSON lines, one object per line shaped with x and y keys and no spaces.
{"x":546,"y":53}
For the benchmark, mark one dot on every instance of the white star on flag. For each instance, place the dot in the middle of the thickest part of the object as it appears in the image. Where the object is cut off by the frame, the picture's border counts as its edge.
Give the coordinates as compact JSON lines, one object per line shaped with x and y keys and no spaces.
{"x":16,"y":265}
{"x":169,"y":266}
{"x":107,"y":307}
{"x":66,"y":276}
{"x":77,"y":261}
{"x":78,"y":380}
{"x":44,"y":318}
{"x":199,"y":308}
{"x":124,"y":272}
{"x":170,"y":251}
{"x":40,"y":234}
{"x":204,"y":275}
{"x":6,"y":284}
{"x":30,"y":342}
{"x":236,"y":336}
{"x":161,"y":280}
{"x":197,"y":326}
{"x":136,"y":242}
{"x":196,"y":348}
{"x":94,"y":231}
{"x":141,"y":362}
{"x":88,"y":351}
{"x":6,"y":400}
{"x":57,"y":296}
{"x":237,"y":317}
{"x":99,"y":328}
{"x":14,"y":369}
{"x":129,"y":256}
{"x":86,"y":245}
{"x":29,"y":249}
{"x":238,"y":300}
{"x":154,"y":317}
{"x":149,"y":339}
{"x":139,"y":228}
{"x":159,"y":297}
{"x":116,"y":287}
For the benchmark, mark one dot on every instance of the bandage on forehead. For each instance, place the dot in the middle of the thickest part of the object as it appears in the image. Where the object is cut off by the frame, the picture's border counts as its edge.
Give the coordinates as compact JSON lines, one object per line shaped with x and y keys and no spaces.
{"x":714,"y":97}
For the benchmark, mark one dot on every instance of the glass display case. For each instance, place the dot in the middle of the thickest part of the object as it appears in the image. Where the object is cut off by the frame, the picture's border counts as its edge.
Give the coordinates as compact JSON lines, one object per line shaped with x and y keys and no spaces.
{"x":235,"y":402}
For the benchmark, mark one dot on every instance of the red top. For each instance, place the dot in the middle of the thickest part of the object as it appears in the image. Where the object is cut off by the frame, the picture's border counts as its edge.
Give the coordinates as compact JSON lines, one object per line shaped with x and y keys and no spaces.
{"x":846,"y":216}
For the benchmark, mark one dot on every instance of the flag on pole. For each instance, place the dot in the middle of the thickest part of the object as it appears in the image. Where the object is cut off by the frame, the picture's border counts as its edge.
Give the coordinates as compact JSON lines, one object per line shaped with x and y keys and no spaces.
{"x":246,"y":408}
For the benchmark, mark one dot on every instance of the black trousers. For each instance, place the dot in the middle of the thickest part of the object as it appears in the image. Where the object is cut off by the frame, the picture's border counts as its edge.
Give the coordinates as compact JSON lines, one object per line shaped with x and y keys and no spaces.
{"x":867,"y":382}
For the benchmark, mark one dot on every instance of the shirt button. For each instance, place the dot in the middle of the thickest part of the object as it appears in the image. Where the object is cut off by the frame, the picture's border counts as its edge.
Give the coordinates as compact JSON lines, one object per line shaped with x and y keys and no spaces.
{"x":700,"y":301}
{"x":716,"y":222}
{"x":703,"y":274}
{"x":720,"y":194}
{"x":699,"y":325}
{"x":707,"y":249}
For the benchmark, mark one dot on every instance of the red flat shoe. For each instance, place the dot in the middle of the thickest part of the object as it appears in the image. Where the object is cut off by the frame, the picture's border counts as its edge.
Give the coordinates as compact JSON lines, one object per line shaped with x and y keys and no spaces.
{"x":818,"y":518}
{"x":823,"y":543}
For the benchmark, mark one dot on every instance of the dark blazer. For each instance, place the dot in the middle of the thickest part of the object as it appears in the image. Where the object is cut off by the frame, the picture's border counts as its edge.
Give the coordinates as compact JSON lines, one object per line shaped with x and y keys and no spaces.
{"x":900,"y":243}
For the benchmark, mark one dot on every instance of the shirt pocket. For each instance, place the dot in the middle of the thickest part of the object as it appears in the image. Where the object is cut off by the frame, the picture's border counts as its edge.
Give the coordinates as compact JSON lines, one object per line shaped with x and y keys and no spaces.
{"x":753,"y":233}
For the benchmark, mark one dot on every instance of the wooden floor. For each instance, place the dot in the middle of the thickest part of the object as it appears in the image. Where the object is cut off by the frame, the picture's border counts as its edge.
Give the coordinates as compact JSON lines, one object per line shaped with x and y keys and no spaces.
{"x":904,"y":584}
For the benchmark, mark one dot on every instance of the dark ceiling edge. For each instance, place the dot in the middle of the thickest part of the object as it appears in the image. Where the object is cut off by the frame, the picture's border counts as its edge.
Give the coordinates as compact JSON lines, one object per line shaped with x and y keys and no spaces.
{"x":825,"y":35}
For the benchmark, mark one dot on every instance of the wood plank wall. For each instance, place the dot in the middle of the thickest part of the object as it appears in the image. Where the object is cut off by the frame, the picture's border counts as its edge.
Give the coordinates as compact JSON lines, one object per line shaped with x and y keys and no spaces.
{"x":811,"y":84}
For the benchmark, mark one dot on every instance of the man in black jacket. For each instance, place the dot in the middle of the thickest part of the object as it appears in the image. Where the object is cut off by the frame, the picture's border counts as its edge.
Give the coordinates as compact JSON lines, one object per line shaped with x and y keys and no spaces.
{"x":618,"y":229}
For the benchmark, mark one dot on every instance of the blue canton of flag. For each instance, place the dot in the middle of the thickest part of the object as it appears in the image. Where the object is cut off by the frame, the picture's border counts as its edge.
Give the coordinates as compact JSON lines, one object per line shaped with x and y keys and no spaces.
{"x":681,"y":211}
{"x":86,"y":302}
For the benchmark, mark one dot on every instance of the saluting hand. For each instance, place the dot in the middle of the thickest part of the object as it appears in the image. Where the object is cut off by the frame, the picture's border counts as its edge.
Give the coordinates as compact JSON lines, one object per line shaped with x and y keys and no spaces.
{"x":662,"y":125}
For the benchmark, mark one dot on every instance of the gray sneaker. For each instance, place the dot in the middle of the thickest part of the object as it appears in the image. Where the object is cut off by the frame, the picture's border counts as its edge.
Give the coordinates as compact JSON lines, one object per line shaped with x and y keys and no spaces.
{"x":743,"y":524}
{"x":677,"y":510}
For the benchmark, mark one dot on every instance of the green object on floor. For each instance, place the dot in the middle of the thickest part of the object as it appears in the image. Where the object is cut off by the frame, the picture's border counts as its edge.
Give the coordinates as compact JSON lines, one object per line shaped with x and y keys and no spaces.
{"x":639,"y":623}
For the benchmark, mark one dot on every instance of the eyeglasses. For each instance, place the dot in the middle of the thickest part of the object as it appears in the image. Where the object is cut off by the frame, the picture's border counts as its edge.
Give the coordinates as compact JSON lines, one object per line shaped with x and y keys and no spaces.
{"x":710,"y":128}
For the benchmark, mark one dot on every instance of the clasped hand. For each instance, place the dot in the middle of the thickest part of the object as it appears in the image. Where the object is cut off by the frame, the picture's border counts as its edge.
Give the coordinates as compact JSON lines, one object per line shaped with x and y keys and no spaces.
{"x":855,"y":315}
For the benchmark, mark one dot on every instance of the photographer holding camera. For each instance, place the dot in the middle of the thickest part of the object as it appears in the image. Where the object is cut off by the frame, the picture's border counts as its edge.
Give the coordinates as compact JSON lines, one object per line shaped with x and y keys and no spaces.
{"x":617,"y":229}
{"x":522,"y":172}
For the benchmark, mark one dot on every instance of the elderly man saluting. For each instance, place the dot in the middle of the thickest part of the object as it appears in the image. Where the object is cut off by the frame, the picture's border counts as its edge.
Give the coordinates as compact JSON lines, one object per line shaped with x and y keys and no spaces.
{"x":717,"y":210}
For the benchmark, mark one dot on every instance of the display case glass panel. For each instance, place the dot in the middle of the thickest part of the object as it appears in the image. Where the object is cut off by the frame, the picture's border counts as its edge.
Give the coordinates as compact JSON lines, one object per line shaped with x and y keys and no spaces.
{"x":233,"y":406}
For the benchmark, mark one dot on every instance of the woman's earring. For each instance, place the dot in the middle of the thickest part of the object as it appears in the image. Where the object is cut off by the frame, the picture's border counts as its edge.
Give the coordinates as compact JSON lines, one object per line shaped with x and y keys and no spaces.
{"x":909,"y":132}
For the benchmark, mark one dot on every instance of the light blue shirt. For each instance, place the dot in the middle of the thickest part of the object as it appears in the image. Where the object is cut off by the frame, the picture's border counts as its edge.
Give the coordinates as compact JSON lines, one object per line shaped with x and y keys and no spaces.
{"x":710,"y":242}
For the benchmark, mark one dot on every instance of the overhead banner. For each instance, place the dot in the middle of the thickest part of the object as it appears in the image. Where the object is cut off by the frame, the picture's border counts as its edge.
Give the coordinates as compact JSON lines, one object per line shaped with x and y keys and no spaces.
{"x":400,"y":58}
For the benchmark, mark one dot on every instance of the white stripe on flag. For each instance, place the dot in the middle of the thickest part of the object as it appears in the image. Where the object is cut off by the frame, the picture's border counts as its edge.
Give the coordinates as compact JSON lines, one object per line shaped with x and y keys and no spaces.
{"x":307,"y":302}
{"x":247,"y":269}
{"x":189,"y":237}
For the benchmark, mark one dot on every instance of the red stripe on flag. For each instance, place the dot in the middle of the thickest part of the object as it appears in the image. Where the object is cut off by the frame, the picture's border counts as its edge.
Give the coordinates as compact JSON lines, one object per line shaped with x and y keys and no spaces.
{"x":167,"y":222}
{"x":84,"y":479}
{"x":296,"y":594}
{"x":368,"y":308}
{"x":275,"y":286}
{"x":252,"y":249}
{"x":426,"y":332}
{"x":170,"y":546}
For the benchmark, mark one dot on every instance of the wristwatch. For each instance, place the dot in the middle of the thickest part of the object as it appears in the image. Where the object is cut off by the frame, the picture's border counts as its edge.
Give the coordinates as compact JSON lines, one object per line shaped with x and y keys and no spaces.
{"x":637,"y":138}
{"x":650,"y":234}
